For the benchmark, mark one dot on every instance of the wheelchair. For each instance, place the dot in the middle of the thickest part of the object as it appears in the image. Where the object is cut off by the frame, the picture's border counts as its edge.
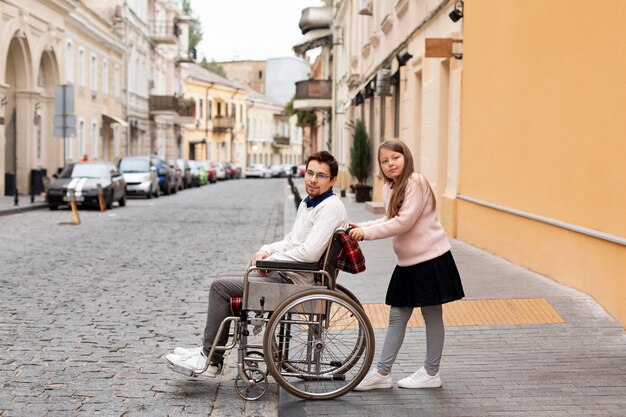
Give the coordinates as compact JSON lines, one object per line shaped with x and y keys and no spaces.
{"x":317,"y":342}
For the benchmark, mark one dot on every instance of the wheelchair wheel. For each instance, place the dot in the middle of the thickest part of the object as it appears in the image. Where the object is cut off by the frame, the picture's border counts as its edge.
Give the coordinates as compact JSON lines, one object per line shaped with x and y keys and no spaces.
{"x":321,"y":342}
{"x":359,"y":341}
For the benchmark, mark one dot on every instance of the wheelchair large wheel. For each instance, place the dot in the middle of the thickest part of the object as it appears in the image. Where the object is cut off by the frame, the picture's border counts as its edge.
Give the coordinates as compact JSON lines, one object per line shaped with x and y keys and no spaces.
{"x":321,"y":342}
{"x":359,"y":343}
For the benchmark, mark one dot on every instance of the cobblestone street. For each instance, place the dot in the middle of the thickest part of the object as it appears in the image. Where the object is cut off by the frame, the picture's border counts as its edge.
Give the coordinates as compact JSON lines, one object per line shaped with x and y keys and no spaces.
{"x":89,"y":311}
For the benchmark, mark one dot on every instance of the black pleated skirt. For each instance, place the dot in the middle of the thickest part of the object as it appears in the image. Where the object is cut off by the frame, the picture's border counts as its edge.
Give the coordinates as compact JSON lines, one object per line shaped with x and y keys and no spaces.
{"x":436,"y":281}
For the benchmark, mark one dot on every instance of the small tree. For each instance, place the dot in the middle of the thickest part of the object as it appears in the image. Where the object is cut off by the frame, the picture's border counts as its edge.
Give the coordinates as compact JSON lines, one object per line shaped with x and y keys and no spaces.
{"x":360,"y":154}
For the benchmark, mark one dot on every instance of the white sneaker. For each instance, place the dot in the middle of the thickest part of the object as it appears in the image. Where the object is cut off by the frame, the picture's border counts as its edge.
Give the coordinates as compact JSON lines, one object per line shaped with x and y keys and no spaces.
{"x":374,"y":380}
{"x":421,"y":379}
{"x":193,"y":363}
{"x":180,"y":351}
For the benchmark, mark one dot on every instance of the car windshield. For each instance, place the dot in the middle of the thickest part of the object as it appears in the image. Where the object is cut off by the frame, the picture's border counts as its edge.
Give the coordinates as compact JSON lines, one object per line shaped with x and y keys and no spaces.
{"x":86,"y":171}
{"x":134,"y":165}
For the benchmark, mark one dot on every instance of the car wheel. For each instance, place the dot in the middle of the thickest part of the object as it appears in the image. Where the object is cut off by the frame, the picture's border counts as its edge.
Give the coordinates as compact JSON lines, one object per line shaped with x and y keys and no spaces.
{"x":122,"y":201}
{"x":109,"y":201}
{"x":53,"y":207}
{"x":168,"y":190}
{"x":157,"y":194}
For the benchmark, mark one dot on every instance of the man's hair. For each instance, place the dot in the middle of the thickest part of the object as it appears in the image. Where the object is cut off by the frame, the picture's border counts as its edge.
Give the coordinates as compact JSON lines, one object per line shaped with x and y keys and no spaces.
{"x":325,"y":157}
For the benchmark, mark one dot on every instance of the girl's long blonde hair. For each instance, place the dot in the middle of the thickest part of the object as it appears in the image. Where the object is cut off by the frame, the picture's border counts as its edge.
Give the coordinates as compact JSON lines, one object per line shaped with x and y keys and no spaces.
{"x":397,"y":198}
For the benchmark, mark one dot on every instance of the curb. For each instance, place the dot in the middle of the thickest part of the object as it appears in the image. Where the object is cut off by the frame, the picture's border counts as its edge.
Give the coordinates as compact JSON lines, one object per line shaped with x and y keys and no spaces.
{"x":18,"y":209}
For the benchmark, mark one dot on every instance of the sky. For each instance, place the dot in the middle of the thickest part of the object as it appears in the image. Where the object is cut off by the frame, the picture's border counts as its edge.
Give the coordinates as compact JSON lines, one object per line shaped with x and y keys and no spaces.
{"x":249,"y":29}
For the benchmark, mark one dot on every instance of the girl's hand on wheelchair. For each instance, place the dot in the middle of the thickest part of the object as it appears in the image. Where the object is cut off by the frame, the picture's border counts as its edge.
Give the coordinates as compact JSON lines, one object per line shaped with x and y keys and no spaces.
{"x":356,"y":233}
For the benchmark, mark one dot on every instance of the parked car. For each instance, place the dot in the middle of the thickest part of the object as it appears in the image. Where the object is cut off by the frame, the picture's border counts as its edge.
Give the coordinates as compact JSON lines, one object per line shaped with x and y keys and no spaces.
{"x":185,"y":170}
{"x":84,"y":178}
{"x":140,"y":176}
{"x":198,"y":174}
{"x":258,"y":171}
{"x":179,"y":184}
{"x":233,"y":171}
{"x":277,"y":171}
{"x":301,"y":169}
{"x":220,"y":170}
{"x":289,"y":169}
{"x":166,"y":175}
{"x":211,"y":173}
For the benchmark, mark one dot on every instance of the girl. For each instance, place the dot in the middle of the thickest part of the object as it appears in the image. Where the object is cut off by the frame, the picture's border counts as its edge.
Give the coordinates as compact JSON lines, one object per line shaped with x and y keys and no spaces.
{"x":425,"y":275}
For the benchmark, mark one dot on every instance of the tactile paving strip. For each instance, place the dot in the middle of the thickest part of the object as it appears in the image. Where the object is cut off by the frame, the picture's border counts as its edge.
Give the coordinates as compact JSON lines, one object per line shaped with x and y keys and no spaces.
{"x":497,"y":312}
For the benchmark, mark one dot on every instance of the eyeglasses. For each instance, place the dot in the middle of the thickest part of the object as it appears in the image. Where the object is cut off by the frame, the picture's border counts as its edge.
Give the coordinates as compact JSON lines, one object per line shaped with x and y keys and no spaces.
{"x":319,"y":175}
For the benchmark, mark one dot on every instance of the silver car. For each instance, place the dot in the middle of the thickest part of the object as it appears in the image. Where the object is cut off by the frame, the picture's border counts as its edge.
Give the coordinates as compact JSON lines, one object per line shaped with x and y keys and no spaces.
{"x":140,"y":175}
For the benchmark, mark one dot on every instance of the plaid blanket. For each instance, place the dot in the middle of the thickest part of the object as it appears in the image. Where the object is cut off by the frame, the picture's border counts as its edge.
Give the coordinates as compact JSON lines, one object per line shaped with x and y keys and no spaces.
{"x":350,"y":258}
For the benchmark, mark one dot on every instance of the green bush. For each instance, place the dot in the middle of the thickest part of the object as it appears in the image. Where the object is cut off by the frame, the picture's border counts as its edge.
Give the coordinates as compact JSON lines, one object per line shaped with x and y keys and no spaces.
{"x":360,"y":154}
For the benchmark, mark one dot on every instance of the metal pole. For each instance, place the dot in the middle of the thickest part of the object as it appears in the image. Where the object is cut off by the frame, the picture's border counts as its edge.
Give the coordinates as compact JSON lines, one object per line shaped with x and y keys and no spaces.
{"x":16,"y":199}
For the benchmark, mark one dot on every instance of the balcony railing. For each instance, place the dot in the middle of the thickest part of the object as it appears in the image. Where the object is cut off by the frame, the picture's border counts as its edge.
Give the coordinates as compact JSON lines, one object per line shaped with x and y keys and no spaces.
{"x":183,"y":107}
{"x":281,"y":141}
{"x":314,"y":89}
{"x":221,"y":124}
{"x":313,"y":94}
{"x":164,"y":31}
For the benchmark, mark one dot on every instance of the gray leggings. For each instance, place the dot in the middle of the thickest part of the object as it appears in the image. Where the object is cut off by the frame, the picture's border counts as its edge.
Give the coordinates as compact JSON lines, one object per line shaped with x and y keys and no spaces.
{"x":398,"y":319}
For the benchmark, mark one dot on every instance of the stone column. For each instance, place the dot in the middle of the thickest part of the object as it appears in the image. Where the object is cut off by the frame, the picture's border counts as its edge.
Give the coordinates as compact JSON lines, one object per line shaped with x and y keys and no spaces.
{"x":26,"y":136}
{"x":3,"y":121}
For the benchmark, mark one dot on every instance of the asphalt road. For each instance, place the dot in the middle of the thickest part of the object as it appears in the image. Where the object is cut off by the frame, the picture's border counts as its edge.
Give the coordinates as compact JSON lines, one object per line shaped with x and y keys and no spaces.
{"x":89,"y":311}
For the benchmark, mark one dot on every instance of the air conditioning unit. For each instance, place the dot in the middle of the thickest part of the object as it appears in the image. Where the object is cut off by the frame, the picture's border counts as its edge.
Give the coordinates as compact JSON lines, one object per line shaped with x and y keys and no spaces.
{"x":365,"y":7}
{"x":383,"y":86}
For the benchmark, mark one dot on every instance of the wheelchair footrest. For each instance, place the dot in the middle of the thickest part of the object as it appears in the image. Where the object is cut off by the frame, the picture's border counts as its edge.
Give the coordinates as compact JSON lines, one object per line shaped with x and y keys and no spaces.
{"x":182,"y":369}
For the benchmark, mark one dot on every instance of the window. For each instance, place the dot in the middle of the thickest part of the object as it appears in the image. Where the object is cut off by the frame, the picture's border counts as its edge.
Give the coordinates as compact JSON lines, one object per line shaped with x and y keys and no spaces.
{"x":234,"y":115}
{"x":94,"y":73}
{"x":209,"y":109}
{"x":117,"y":81}
{"x":241,"y":113}
{"x":260,"y":75}
{"x":69,"y":62}
{"x":81,"y":137}
{"x":81,"y":67}
{"x":201,"y":109}
{"x":94,"y":139}
{"x":105,"y":77}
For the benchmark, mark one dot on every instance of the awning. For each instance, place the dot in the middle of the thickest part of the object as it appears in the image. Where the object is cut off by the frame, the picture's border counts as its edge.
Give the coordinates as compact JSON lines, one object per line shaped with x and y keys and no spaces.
{"x":313,"y":39}
{"x":113,"y":119}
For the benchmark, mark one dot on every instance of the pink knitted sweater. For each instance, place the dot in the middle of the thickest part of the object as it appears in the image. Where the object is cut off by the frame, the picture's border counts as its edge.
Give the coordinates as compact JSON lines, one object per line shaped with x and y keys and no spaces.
{"x":417,"y":233}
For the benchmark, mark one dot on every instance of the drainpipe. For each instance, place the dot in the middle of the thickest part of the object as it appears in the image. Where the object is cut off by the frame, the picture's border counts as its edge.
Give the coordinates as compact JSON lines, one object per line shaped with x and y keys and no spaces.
{"x":206,"y":118}
{"x":232,"y":132}
{"x":127,"y":67}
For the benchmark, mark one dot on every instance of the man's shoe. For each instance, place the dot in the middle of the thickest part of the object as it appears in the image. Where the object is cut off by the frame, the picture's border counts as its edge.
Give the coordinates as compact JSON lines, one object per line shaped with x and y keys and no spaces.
{"x":420,"y":379}
{"x":374,"y":380}
{"x":181,"y":351}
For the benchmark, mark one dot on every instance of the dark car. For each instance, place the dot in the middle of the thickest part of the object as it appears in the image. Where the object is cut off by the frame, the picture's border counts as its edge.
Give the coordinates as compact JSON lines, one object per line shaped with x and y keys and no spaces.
{"x":84,"y":178}
{"x":167,"y":175}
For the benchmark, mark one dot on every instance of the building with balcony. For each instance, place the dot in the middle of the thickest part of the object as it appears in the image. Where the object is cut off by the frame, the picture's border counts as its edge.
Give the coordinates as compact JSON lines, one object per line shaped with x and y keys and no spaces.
{"x":219,"y":130}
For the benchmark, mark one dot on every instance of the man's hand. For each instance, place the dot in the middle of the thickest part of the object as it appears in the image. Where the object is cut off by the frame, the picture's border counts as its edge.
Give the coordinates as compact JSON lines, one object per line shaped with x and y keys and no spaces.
{"x":258,"y":256}
{"x":356,"y":232}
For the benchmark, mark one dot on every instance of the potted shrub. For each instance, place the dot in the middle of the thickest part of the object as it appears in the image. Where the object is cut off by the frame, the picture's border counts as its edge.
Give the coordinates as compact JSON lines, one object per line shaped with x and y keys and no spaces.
{"x":361,"y":162}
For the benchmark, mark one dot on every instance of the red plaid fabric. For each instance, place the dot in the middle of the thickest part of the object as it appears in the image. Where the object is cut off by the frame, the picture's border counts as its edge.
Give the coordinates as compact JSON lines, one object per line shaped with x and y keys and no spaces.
{"x":350,"y":258}
{"x":235,"y":306}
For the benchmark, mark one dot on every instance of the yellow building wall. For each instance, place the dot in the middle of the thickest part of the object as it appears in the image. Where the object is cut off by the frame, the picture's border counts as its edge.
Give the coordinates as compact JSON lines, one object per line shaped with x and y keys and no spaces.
{"x":543,"y":132}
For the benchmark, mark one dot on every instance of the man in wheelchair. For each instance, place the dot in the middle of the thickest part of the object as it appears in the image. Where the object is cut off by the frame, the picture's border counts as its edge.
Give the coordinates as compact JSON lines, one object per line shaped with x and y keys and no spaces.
{"x":319,"y":214}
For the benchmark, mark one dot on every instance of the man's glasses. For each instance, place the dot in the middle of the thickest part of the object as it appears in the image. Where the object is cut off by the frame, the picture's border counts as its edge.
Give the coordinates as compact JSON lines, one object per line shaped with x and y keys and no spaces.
{"x":319,"y":175}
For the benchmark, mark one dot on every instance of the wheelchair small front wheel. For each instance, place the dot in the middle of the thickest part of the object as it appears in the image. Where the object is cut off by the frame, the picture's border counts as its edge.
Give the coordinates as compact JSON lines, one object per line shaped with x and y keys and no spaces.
{"x":254,"y":387}
{"x":321,"y":344}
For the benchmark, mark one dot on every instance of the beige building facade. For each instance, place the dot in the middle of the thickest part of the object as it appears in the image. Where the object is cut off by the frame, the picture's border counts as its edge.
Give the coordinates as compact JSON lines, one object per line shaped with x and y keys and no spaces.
{"x":44,"y":44}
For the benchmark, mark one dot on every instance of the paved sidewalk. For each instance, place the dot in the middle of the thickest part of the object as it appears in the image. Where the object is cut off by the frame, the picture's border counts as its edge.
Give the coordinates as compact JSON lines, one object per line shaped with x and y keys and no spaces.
{"x":574,"y":366}
{"x":7,"y":204}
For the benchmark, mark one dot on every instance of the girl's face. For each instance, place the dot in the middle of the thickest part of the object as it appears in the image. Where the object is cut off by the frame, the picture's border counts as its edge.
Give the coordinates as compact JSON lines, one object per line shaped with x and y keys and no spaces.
{"x":392,"y":163}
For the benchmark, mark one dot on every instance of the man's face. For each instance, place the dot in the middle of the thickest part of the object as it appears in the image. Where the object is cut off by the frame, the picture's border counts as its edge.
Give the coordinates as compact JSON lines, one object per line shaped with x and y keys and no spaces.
{"x":317,"y":178}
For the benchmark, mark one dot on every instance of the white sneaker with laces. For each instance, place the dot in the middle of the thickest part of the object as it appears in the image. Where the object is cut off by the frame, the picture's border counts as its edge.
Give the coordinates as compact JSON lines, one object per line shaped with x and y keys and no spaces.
{"x":195,"y":362}
{"x":421,"y":379}
{"x":180,"y":351}
{"x":374,"y":380}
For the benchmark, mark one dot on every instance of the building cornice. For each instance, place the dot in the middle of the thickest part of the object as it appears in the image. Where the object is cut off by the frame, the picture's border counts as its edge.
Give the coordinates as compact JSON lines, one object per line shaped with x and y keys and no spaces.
{"x":82,"y":22}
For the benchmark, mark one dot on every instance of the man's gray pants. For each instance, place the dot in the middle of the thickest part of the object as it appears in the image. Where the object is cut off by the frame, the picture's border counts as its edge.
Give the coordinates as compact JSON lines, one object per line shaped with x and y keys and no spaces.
{"x":222,"y":290}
